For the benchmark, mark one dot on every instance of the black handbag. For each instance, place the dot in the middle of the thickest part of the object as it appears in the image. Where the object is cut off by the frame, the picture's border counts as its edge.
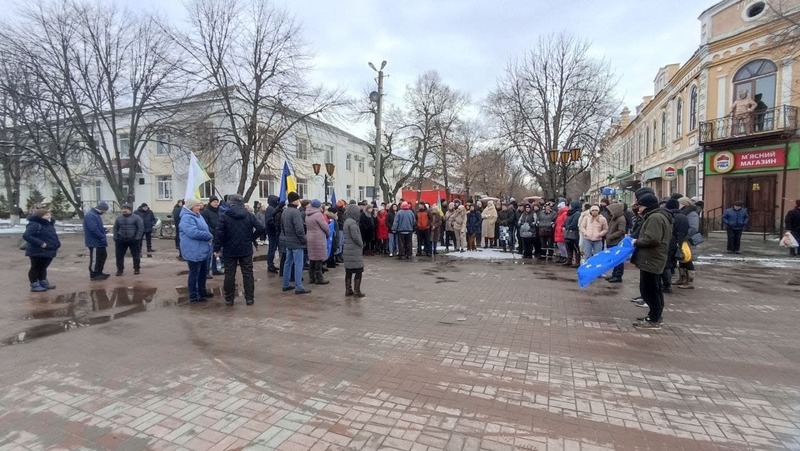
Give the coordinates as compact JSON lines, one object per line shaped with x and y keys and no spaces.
{"x":696,"y":239}
{"x":571,"y":235}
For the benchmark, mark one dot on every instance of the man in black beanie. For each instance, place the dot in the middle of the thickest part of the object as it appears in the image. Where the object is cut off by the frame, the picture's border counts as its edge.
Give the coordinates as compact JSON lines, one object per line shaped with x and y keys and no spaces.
{"x":236,"y":230}
{"x":650,"y":256}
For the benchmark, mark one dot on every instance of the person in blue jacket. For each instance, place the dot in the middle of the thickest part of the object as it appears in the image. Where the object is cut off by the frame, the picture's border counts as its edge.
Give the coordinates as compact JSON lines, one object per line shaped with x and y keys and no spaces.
{"x":94,"y":236}
{"x":195,"y":239}
{"x":735,"y":220}
{"x":41,"y":246}
{"x":474,"y":226}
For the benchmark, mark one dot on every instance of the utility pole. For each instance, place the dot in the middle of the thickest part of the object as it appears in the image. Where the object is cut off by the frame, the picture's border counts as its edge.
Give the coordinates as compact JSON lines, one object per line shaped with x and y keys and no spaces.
{"x":377,"y":97}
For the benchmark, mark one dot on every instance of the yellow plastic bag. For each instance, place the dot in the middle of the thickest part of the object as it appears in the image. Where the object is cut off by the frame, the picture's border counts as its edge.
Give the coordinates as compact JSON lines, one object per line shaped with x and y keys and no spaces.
{"x":686,"y":250}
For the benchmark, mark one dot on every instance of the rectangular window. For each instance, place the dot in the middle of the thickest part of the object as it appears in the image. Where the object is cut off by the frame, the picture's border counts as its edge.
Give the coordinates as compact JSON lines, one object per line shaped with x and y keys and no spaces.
{"x":78,"y":191}
{"x":162,"y":145}
{"x":124,"y":143}
{"x":164,"y":187}
{"x":329,"y":157}
{"x":267,"y":185}
{"x":98,"y":192}
{"x":362,"y":192}
{"x":349,"y":162}
{"x":349,"y":192}
{"x":360,"y":164}
{"x":207,"y":189}
{"x":370,"y":192}
{"x":302,"y":150}
{"x":302,"y":188}
{"x":690,"y":174}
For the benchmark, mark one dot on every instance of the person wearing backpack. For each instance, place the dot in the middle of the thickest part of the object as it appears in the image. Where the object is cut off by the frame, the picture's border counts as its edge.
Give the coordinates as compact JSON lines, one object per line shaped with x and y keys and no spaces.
{"x":527,"y":224}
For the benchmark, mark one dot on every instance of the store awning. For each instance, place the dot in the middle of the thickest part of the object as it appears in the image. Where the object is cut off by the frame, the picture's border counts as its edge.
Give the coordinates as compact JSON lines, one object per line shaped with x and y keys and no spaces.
{"x":622,"y":175}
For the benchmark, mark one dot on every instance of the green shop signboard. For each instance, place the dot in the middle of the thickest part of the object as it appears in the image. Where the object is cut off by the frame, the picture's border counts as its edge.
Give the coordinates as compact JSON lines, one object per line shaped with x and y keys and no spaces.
{"x":757,"y":159}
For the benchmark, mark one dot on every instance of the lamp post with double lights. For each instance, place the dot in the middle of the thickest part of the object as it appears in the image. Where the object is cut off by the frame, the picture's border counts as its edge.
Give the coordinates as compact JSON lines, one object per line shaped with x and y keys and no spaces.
{"x":566,"y":157}
{"x":329,"y":168}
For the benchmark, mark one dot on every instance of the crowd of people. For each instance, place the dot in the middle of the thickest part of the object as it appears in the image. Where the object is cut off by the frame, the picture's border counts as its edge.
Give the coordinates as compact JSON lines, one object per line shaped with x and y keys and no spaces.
{"x":219,"y":238}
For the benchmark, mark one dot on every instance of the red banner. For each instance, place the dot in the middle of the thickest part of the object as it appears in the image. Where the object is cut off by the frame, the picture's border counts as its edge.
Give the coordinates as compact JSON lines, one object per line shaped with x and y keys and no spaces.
{"x":769,"y":158}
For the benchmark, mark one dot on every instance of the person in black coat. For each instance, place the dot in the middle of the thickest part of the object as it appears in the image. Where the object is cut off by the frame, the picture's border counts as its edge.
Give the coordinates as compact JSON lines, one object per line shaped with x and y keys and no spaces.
{"x":271,"y":229}
{"x":680,"y":232}
{"x":233,"y":240}
{"x":148,"y":221}
{"x":41,"y":246}
{"x":367,"y":226}
{"x":793,"y":225}
{"x":210,"y":214}
{"x":128,"y":232}
{"x":176,"y":218}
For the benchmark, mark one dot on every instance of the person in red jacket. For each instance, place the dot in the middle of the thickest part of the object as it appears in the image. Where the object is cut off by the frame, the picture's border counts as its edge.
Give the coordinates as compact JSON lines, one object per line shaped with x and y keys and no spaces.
{"x":423,"y":226}
{"x":558,"y":236}
{"x":383,"y":231}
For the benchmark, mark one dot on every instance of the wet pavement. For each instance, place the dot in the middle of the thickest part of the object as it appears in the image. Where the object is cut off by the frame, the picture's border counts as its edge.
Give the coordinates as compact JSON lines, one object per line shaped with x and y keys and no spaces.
{"x":444,"y":354}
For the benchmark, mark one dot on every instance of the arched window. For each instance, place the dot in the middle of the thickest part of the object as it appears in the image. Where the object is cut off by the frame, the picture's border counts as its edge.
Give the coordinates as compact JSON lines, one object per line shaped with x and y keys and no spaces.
{"x":758,"y":79}
{"x":693,"y":109}
{"x":654,"y":135}
{"x":663,"y":128}
{"x":678,"y":118}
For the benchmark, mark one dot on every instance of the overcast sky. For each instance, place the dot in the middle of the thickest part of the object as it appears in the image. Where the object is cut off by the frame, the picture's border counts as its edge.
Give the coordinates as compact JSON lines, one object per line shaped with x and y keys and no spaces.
{"x":469,"y":42}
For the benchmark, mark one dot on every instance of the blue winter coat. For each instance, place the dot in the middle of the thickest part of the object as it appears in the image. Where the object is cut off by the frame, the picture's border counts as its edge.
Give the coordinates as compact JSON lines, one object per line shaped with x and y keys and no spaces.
{"x":404,"y":222}
{"x":474,"y":222}
{"x":38,"y":231}
{"x":735,"y":220}
{"x":94,"y":233}
{"x":195,"y":236}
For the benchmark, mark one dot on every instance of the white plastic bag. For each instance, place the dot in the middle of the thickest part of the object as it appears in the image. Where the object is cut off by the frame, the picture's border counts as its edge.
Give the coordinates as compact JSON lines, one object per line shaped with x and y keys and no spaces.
{"x":788,"y":240}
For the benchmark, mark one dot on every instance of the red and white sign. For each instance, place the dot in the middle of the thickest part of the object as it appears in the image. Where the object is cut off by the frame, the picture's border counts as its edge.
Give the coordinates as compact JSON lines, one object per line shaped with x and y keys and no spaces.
{"x":768,"y":158}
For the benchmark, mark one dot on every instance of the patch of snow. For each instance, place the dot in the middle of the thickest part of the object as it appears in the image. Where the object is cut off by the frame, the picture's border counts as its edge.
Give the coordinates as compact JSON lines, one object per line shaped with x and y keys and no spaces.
{"x":771,"y":262}
{"x":485,"y":254}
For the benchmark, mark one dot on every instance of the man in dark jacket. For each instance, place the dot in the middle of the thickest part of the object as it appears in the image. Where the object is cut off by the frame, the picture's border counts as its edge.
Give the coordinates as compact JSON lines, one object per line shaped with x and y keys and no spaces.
{"x":793,"y":225}
{"x":506,"y":219}
{"x":176,"y":218}
{"x":616,"y":232}
{"x":236,"y":230}
{"x":94,"y":235}
{"x":735,"y":220}
{"x":293,"y":234}
{"x":148,"y":222}
{"x":210,"y":214}
{"x":271,"y":231}
{"x":680,"y":232}
{"x":650,"y":256}
{"x":128,"y":232}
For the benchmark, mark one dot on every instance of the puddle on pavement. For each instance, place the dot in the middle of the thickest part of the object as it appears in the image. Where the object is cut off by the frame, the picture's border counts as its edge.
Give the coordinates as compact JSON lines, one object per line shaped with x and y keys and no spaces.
{"x":81,"y":309}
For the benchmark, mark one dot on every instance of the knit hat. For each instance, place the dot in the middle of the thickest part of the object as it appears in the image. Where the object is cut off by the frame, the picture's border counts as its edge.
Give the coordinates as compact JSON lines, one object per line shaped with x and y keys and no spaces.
{"x":685,"y":202}
{"x":102,"y":206}
{"x":144,"y":205}
{"x":212,"y":199}
{"x":191,"y":203}
{"x":672,"y":204}
{"x":39,"y":210}
{"x":316,"y":203}
{"x":594,"y":208}
{"x":128,"y":207}
{"x":234,"y":199}
{"x":561,"y":205}
{"x":292,"y":197}
{"x":642,"y":191}
{"x":676,"y":195}
{"x":647,"y":200}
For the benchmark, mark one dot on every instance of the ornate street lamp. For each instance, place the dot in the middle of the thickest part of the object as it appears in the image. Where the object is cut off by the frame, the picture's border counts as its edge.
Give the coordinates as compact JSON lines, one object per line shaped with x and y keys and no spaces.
{"x":329,"y":168}
{"x":566,"y":158}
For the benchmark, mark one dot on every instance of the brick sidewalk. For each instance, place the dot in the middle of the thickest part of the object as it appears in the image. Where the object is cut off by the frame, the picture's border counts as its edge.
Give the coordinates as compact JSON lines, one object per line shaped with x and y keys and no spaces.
{"x":439,"y":355}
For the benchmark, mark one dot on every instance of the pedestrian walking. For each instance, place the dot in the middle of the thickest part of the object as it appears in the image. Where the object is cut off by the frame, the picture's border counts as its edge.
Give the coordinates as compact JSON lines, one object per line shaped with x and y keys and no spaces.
{"x":128,"y":232}
{"x":233,"y":241}
{"x":41,"y":246}
{"x":294,"y":239}
{"x":148,"y":222}
{"x":94,"y":236}
{"x":735,"y":220}
{"x":353,"y":255}
{"x":650,"y":256}
{"x":196,"y":249}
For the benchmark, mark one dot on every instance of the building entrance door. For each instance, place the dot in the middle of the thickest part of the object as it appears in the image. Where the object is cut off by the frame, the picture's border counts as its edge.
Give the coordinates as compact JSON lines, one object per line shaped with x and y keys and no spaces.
{"x":758,"y":194}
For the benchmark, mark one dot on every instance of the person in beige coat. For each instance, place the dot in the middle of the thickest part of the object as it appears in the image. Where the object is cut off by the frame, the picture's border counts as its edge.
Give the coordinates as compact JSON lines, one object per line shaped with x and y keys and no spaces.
{"x":489,"y":216}
{"x":459,"y":224}
{"x":593,"y":229}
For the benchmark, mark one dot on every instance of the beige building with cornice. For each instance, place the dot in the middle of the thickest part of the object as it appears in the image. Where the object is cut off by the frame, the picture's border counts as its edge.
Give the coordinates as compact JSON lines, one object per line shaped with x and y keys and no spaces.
{"x":684,"y":137}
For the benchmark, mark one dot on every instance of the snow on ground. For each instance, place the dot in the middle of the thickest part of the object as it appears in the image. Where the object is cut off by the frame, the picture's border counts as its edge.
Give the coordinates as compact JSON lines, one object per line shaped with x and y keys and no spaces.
{"x":485,"y":254}
{"x":730,"y":260}
{"x":7,"y":229}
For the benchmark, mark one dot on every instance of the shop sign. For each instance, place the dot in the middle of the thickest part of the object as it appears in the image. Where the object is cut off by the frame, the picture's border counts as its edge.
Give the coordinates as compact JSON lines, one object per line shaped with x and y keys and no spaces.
{"x":725,"y":162}
{"x":722,"y":162}
{"x":670,"y":172}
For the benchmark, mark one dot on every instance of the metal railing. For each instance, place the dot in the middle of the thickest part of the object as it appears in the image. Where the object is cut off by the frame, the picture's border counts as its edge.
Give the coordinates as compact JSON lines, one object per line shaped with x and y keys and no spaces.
{"x":778,"y":120}
{"x":760,"y":222}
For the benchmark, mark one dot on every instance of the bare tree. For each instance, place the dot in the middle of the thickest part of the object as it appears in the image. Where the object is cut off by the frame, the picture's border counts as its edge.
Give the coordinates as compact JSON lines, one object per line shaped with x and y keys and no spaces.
{"x":556,"y":97}
{"x":251,"y":56}
{"x":109,"y":71}
{"x":466,"y":144}
{"x":429,"y":105}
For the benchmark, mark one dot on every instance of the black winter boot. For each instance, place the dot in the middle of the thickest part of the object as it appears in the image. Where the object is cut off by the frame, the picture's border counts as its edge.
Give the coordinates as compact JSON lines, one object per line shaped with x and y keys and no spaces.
{"x":348,"y":284}
{"x":312,"y":272}
{"x":320,"y":278}
{"x":357,"y":292}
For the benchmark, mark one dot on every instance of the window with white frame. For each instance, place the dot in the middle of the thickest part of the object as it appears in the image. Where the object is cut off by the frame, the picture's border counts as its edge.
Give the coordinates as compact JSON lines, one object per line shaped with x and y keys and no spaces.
{"x":302,"y":188}
{"x":690,"y":174}
{"x":349,"y":162}
{"x":360,"y":164}
{"x":98,"y":190}
{"x":164,"y":183}
{"x":267,"y":185}
{"x":78,"y":190}
{"x":329,"y":157}
{"x":302,"y":149}
{"x":162,"y":145}
{"x":124,"y":142}
{"x":207,"y":189}
{"x":362,"y":192}
{"x":349,"y":192}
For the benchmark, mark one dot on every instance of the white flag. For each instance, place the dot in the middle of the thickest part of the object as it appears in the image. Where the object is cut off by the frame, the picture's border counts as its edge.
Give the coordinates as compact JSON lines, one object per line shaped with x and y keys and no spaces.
{"x":196,"y":177}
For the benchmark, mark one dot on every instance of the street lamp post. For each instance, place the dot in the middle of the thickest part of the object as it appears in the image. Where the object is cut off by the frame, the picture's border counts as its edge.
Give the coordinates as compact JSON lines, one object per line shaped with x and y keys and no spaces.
{"x":377,"y":97}
{"x":329,"y":168}
{"x":566,"y":157}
